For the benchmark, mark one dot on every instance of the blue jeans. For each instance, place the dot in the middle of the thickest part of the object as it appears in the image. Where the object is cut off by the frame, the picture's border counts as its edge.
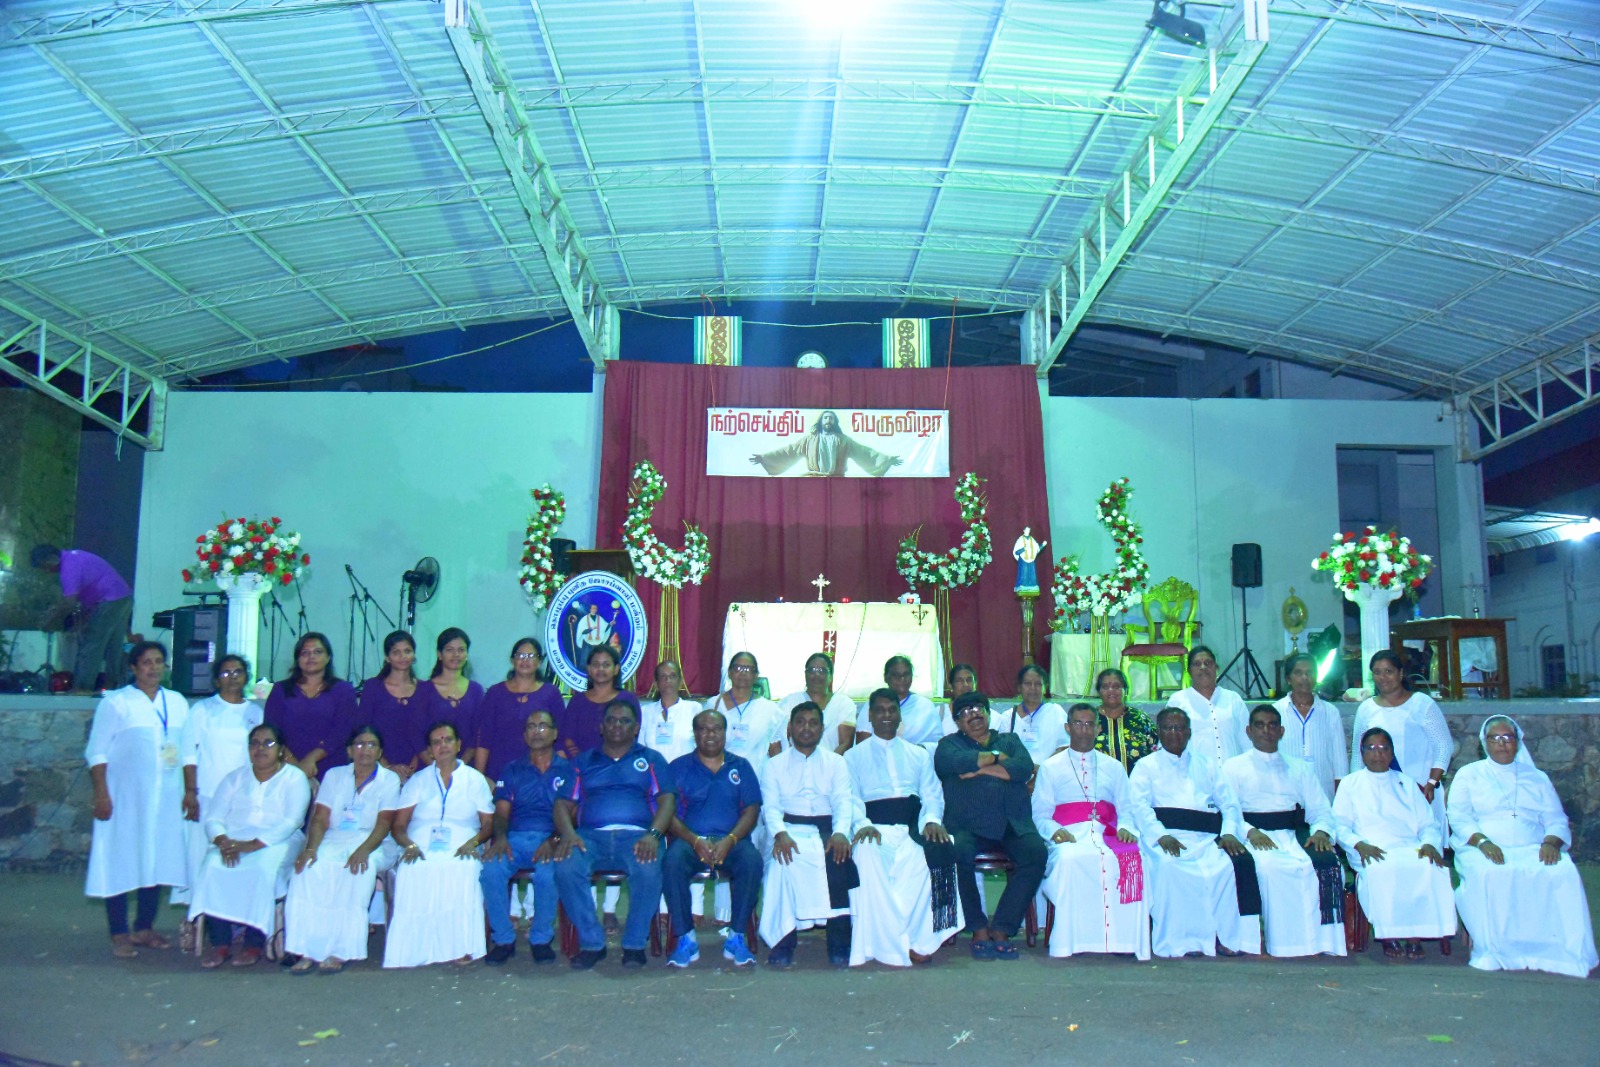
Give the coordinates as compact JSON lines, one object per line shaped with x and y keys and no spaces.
{"x":496,"y":879}
{"x":742,"y":868}
{"x":609,"y":850}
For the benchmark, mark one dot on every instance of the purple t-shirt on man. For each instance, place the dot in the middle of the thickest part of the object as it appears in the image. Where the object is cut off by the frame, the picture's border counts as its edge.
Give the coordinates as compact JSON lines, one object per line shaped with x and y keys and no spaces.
{"x":91,"y":579}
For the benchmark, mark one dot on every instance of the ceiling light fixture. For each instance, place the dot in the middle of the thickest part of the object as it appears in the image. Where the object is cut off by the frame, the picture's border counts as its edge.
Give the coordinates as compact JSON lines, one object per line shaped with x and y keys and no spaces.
{"x":1168,"y":17}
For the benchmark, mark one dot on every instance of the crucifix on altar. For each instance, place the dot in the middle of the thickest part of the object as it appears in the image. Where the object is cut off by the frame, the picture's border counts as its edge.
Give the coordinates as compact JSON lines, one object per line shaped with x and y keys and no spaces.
{"x":821,"y":583}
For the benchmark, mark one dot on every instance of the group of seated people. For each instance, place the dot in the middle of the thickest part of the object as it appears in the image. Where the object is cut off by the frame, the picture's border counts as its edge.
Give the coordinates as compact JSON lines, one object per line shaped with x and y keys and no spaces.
{"x":1191,"y":835}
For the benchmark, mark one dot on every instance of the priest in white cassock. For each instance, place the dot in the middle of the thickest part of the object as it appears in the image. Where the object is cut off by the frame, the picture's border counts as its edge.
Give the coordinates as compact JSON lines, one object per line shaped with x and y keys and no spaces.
{"x":1217,"y":716}
{"x":1095,"y":874}
{"x":1302,"y":889}
{"x":1392,"y":840}
{"x":809,"y":812}
{"x":1312,"y":728}
{"x":921,"y":722}
{"x":1520,"y":896}
{"x":1204,"y":897}
{"x":907,"y":904}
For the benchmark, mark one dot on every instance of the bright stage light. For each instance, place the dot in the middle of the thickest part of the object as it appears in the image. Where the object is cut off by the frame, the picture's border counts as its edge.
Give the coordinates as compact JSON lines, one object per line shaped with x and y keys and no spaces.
{"x":1577,"y":531}
{"x":835,"y":14}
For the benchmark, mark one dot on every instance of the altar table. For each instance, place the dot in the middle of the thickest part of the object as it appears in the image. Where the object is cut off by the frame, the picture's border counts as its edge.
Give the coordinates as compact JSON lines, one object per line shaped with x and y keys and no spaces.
{"x":860,"y":638}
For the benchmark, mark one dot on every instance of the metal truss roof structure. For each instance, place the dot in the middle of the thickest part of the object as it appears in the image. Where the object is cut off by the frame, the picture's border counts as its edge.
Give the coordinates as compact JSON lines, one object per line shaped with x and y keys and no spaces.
{"x":1408,"y":191}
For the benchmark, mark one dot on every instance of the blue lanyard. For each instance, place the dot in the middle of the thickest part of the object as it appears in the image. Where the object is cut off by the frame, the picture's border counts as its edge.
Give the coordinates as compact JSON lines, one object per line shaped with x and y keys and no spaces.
{"x":370,"y":777}
{"x":162,"y":712}
{"x":740,"y":709}
{"x":444,"y":790}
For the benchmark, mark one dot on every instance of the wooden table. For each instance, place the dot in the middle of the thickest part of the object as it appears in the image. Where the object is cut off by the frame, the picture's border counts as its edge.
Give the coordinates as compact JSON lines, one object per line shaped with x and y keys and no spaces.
{"x":1446,"y":635}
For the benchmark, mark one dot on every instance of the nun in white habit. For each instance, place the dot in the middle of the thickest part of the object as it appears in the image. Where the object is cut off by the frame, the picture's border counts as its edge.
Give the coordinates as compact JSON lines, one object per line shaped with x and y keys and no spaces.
{"x":1391,"y":838}
{"x":1520,"y":896}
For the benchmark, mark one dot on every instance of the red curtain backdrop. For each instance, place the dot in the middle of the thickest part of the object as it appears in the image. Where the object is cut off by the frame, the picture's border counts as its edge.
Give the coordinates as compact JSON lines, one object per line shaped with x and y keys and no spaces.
{"x":771,"y":536}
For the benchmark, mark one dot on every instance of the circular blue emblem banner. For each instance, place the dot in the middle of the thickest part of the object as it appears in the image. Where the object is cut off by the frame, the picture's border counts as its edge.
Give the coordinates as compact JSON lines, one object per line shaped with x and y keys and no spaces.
{"x":593,"y":609}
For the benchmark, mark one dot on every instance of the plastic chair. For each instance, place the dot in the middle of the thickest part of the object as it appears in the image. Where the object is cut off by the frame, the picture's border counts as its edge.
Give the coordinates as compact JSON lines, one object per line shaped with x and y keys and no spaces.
{"x":1168,"y":631}
{"x":993,"y":862}
{"x":568,"y":934}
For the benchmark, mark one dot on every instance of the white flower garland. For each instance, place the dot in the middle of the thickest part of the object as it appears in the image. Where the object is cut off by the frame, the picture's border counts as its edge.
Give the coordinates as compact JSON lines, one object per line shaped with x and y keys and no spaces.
{"x":1386,"y":560}
{"x":538,"y":578}
{"x":652,"y":559}
{"x":961,"y":565}
{"x":1112,"y":592}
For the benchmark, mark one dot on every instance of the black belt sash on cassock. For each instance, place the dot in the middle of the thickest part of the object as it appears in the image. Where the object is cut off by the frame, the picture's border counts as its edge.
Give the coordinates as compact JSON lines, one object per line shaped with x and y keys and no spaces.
{"x":1245,"y":886}
{"x":842,"y":877}
{"x":940,"y":856}
{"x":1330,"y":876}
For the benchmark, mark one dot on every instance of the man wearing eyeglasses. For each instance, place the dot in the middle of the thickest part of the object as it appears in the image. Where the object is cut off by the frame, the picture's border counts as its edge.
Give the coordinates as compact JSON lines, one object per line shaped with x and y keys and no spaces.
{"x":525,"y":797}
{"x":986,"y":808}
{"x":617,"y":820}
{"x":1204,"y":898}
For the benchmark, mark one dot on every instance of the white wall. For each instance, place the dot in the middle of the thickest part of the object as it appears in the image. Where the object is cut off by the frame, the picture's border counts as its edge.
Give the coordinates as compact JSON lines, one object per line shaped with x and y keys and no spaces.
{"x":1554,"y":602}
{"x":1211,"y":473}
{"x":376,"y":481}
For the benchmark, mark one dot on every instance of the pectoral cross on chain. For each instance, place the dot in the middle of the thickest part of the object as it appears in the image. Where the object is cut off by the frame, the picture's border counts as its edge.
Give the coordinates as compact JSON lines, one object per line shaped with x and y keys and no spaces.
{"x":820,"y":583}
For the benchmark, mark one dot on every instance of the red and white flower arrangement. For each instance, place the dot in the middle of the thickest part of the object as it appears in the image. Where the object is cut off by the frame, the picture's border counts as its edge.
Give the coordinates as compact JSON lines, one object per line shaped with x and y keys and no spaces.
{"x":539,"y":578}
{"x":241,"y":546}
{"x":652,"y":559}
{"x":1383,"y":559}
{"x":1110,"y":593}
{"x":961,"y":565}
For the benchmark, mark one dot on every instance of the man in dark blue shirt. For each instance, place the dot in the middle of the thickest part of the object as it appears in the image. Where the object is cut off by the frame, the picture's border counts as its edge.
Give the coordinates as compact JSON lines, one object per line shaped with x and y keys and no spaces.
{"x":524,"y":838}
{"x":625,"y":799}
{"x":718,"y":801}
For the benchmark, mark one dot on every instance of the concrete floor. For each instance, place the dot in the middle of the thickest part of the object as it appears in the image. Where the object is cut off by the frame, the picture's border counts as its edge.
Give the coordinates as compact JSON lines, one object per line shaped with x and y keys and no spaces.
{"x":64,"y":999}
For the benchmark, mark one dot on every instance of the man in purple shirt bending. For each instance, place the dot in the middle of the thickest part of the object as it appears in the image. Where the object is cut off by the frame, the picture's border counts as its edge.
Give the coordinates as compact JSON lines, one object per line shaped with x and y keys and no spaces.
{"x":91,"y":587}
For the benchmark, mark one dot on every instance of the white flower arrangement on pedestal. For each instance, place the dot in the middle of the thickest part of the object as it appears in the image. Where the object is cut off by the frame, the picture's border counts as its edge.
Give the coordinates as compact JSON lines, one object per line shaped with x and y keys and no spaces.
{"x":236,"y":547}
{"x":652,"y":559}
{"x":1386,"y":560}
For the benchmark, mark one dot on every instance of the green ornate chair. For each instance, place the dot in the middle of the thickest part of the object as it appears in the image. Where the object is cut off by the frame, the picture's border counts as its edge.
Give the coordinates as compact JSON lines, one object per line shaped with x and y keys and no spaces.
{"x":1167,"y":634}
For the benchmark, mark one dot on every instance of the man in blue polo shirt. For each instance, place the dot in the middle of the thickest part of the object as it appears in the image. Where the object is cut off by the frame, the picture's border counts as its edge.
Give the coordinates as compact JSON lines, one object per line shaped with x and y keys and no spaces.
{"x":524,"y":838}
{"x":719,"y":799}
{"x":625,"y":799}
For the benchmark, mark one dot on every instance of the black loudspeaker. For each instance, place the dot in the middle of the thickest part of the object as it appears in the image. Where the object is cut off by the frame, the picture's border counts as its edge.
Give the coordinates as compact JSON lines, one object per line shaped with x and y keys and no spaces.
{"x":559,"y":547}
{"x":1246,"y":566}
{"x":199,"y":636}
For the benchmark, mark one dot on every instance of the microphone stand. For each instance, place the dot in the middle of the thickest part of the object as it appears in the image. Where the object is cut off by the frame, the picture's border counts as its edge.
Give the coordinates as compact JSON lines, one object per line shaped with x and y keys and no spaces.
{"x":273,"y":612}
{"x":361,"y":600}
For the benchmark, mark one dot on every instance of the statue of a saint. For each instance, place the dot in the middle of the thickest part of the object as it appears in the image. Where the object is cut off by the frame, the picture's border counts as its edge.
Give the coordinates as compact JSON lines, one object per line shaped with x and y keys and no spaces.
{"x":1025,"y":552}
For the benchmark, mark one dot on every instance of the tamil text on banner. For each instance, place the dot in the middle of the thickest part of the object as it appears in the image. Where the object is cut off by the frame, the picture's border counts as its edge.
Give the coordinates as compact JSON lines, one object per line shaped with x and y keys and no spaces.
{"x":827,"y":443}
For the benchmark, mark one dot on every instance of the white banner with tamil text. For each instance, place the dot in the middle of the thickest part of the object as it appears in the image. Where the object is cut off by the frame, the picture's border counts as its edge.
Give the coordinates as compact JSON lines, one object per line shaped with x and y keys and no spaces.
{"x":827,"y":443}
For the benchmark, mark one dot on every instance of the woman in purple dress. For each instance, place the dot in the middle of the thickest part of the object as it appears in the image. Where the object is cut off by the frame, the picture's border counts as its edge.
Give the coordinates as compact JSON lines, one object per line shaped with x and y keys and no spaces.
{"x":313,"y":708}
{"x":578,"y":727}
{"x":506,"y":707}
{"x":456,"y":696}
{"x":400,"y":707}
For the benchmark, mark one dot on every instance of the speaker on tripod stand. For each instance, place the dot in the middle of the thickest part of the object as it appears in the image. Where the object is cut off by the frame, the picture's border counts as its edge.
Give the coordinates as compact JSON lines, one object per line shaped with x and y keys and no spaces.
{"x":1246,"y":575}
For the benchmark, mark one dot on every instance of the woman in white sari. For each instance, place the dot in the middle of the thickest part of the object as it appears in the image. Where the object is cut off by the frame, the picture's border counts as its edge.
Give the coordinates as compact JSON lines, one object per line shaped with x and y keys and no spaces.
{"x":254,"y":827}
{"x":1520,"y":895}
{"x":346,"y":848}
{"x":445,"y":816}
{"x":1391,"y":839}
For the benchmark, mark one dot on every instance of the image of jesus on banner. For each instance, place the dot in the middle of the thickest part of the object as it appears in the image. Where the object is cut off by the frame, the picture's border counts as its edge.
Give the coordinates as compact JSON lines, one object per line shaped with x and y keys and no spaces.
{"x":826,"y":450}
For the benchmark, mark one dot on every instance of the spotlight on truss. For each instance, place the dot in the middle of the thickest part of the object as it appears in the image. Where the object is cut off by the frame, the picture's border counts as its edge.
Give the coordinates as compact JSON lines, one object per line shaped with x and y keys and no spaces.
{"x":1168,"y":17}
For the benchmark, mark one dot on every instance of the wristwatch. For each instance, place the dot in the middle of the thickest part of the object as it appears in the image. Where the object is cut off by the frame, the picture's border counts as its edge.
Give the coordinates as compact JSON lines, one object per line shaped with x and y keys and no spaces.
{"x":658,"y":835}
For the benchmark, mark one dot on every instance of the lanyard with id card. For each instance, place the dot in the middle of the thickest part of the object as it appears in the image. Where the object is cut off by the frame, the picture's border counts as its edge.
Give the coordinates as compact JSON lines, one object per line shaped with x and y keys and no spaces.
{"x":169,"y":747}
{"x":663,"y":734}
{"x":439,"y":836}
{"x":350,"y":817}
